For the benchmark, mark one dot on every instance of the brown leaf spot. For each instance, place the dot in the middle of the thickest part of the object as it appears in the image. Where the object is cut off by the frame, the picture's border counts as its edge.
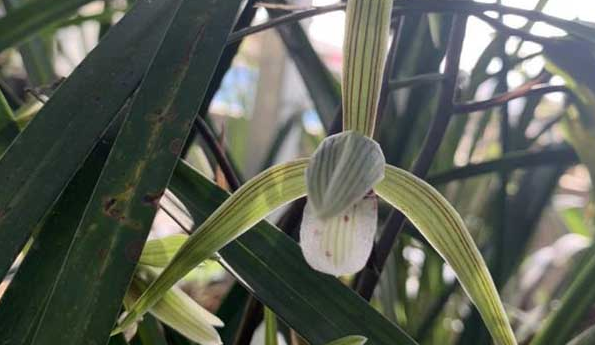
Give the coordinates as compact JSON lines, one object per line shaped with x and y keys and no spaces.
{"x":328,"y":254}
{"x":109,"y":208}
{"x":176,"y":146}
{"x":152,"y":199}
{"x":345,"y":218}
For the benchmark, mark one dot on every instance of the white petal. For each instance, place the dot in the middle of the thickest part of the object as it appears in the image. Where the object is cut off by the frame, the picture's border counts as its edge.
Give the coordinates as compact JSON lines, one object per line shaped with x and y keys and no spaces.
{"x":340,"y":245}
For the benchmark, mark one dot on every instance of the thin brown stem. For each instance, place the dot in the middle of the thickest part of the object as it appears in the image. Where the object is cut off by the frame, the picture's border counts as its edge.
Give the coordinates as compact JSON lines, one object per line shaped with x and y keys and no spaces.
{"x":526,"y":90}
{"x":220,"y":156}
{"x":402,"y":7}
{"x":427,"y":78}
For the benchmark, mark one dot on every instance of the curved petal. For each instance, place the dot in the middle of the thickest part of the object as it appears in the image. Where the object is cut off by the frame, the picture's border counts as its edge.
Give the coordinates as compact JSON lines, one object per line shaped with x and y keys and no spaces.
{"x":340,"y":245}
{"x":444,"y":229}
{"x":250,"y":204}
{"x":181,"y":312}
{"x":342,"y":170}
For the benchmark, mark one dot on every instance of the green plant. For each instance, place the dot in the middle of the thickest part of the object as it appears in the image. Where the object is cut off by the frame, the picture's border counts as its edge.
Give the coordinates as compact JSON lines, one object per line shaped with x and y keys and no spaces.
{"x":87,"y":163}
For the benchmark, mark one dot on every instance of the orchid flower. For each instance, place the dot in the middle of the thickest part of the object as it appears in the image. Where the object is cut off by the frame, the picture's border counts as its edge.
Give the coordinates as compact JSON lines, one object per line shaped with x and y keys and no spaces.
{"x":342,"y":181}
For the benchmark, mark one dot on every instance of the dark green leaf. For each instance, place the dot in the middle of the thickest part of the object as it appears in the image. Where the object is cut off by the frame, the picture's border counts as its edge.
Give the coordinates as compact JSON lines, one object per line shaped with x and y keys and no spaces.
{"x":39,"y":164}
{"x":30,"y":18}
{"x":118,"y":217}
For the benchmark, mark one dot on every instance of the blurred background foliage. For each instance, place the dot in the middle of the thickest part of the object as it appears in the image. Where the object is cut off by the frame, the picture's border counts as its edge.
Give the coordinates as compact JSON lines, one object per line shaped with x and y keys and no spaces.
{"x":507,"y":162}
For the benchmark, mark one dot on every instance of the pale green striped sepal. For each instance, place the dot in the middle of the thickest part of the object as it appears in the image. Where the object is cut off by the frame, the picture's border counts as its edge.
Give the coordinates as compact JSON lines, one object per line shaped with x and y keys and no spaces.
{"x":341,"y":172}
{"x":340,"y":245}
{"x":178,"y":310}
{"x":349,"y":340}
{"x":250,"y":204}
{"x":159,"y":252}
{"x":444,"y":229}
{"x":364,"y":55}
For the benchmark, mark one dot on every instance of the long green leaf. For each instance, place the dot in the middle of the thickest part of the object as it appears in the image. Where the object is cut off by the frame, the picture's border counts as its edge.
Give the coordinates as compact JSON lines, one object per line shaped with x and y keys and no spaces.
{"x":250,"y":204}
{"x":442,"y":226}
{"x":32,"y":17}
{"x":271,"y":266}
{"x":575,"y":303}
{"x":45,"y":156}
{"x":21,"y":304}
{"x":120,"y":213}
{"x":36,"y":54}
{"x":320,"y":83}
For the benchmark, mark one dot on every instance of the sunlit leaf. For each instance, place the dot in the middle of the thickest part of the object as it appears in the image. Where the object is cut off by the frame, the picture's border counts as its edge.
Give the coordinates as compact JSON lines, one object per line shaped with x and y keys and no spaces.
{"x":444,"y":229}
{"x":250,"y":204}
{"x":340,"y":245}
{"x":364,"y":52}
{"x":342,"y":170}
{"x":434,"y":22}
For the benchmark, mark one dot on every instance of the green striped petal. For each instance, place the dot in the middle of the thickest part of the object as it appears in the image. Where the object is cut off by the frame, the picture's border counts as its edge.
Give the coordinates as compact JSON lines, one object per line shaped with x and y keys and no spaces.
{"x":159,"y":252}
{"x":444,"y":229}
{"x":342,"y":170}
{"x":349,"y":340}
{"x":250,"y":204}
{"x":178,"y":310}
{"x":364,"y":55}
{"x":342,"y":244}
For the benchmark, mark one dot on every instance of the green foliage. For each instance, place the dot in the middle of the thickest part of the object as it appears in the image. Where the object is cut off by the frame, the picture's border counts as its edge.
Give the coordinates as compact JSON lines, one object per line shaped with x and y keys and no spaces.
{"x":93,"y":164}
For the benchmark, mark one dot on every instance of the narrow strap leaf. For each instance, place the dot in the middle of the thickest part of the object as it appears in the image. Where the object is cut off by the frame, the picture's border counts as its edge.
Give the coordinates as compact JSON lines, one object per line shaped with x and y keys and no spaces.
{"x":444,"y":229}
{"x":573,"y":307}
{"x":250,"y":204}
{"x":364,"y":53}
